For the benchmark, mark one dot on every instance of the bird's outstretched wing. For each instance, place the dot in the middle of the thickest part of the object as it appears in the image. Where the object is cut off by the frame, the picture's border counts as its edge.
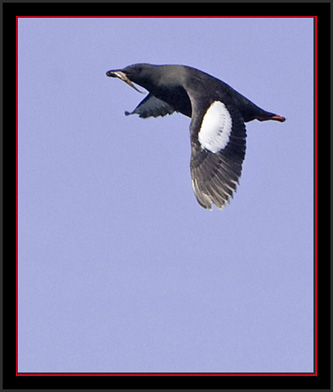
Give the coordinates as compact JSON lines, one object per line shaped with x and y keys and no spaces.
{"x":152,"y":107}
{"x":218,"y":141}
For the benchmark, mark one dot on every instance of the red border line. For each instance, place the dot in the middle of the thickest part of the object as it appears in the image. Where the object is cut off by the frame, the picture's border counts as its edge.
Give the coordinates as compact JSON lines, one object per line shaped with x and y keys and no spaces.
{"x":165,"y":16}
{"x":16,"y":193}
{"x":170,"y":374}
{"x":315,"y":195}
{"x":315,"y":215}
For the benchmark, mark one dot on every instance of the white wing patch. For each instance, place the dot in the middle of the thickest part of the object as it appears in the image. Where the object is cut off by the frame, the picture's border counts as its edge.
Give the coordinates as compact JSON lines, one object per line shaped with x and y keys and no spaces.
{"x":215,"y":128}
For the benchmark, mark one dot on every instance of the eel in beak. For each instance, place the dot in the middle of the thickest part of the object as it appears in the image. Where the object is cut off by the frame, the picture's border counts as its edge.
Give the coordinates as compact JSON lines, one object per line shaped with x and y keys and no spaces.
{"x":122,"y":76}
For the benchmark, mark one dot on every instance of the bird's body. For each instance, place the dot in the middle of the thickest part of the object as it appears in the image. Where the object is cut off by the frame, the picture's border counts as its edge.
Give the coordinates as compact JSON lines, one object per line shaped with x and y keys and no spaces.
{"x":217,"y":129}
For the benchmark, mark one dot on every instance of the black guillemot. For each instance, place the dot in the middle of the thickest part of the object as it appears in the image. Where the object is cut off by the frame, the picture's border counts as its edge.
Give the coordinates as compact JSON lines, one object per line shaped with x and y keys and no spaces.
{"x":217,"y":129}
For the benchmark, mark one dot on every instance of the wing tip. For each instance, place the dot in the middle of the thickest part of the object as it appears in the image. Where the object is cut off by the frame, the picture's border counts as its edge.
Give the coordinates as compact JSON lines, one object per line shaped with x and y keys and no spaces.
{"x":208,"y":200}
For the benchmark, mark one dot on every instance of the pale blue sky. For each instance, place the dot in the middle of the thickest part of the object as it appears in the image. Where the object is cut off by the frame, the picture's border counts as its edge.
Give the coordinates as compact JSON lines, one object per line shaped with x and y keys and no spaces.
{"x":120,"y":269}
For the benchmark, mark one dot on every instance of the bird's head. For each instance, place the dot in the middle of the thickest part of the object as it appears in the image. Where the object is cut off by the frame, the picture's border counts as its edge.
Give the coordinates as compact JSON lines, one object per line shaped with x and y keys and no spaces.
{"x":153,"y":78}
{"x":145,"y":75}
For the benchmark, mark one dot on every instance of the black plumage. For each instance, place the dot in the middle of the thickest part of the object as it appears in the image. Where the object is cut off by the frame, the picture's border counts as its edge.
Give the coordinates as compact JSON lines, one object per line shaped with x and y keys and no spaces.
{"x":217,"y":129}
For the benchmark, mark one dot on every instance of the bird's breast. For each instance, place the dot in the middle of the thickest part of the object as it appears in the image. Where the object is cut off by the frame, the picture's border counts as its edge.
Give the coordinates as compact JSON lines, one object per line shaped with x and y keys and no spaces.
{"x":175,"y":97}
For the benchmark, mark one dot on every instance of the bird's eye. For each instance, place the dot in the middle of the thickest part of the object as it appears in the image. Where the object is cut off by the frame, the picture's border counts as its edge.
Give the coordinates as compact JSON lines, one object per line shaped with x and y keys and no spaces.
{"x":134,"y":69}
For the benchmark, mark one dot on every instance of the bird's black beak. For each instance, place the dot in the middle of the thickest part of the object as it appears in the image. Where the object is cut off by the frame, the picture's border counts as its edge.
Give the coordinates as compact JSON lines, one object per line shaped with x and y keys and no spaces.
{"x":122,"y":76}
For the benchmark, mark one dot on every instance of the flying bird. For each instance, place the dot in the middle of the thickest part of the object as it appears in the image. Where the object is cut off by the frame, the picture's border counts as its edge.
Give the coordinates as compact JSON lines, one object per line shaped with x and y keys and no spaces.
{"x":217,"y":129}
